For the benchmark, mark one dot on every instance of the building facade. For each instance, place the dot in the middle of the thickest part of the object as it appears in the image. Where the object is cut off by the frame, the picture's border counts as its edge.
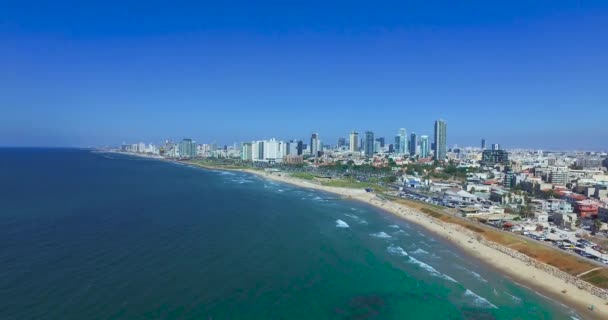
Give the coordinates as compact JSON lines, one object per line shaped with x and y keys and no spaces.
{"x":368,"y":147}
{"x":440,"y":140}
{"x":424,"y":146}
{"x":353,"y":145}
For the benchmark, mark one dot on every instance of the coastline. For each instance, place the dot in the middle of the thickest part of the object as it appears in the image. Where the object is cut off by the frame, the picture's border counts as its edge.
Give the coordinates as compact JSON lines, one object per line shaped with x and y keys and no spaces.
{"x":522,"y":273}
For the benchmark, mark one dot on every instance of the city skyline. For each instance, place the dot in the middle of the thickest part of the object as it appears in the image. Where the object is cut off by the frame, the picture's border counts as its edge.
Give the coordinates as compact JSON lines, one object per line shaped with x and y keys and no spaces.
{"x":523,"y":74}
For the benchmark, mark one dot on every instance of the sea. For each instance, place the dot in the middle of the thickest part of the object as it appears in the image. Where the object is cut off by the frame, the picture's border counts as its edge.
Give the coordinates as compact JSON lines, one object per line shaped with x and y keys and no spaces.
{"x":93,"y":235}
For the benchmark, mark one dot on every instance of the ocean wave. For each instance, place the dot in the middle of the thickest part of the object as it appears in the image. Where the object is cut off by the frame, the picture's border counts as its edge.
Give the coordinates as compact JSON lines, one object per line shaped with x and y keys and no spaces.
{"x":478,"y":276}
{"x":381,"y":235}
{"x":479,"y":300}
{"x":420,"y":251}
{"x":396,"y":250}
{"x":225,"y":173}
{"x":241,"y":181}
{"x":341,"y":224}
{"x":394,"y":226}
{"x":516,"y":299}
{"x":401,"y":232}
{"x":431,"y":270}
{"x":356,"y":218}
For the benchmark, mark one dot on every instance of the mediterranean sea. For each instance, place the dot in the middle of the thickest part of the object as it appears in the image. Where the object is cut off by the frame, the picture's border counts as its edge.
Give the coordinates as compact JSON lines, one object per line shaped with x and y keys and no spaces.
{"x":89,"y":235}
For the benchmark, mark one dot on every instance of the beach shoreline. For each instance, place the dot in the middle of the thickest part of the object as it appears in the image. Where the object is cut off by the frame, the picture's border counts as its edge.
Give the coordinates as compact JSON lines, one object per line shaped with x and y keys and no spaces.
{"x":523,"y":274}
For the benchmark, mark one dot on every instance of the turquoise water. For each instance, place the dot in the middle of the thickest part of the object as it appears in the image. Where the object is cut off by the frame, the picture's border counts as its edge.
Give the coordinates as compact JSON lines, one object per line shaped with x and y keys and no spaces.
{"x":86,"y":235}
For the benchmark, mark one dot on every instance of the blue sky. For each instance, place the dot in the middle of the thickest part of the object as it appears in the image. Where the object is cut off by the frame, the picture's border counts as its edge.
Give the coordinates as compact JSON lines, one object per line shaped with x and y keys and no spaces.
{"x":520,"y":73}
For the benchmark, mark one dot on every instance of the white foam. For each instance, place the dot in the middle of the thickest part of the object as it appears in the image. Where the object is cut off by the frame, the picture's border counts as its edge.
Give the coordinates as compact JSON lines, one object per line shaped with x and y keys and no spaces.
{"x":381,"y":235}
{"x":478,"y":276}
{"x":430,"y":269}
{"x":394,"y":226}
{"x":478,"y":300}
{"x":227,"y":173}
{"x":356,"y":218}
{"x":396,"y":250}
{"x":516,"y":299}
{"x":341,"y":224}
{"x":420,"y":251}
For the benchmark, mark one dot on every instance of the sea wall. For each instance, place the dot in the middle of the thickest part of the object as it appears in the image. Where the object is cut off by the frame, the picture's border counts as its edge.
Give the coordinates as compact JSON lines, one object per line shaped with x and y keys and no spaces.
{"x":581,"y":284}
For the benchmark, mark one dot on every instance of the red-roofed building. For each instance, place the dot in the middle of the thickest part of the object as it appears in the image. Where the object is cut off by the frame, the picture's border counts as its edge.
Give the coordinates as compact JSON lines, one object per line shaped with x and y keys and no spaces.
{"x":586,"y":208}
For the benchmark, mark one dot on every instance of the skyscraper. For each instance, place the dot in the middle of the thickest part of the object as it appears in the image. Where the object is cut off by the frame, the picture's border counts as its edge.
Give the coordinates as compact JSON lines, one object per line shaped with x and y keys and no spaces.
{"x":483,"y":143}
{"x":397,"y":144}
{"x":403,"y":145}
{"x":424,"y":146}
{"x":246,"y":151}
{"x":440,"y":140}
{"x":495,"y":146}
{"x":314,"y":144}
{"x":341,"y":142}
{"x":381,"y":140}
{"x":413,"y":143}
{"x":368,"y":146}
{"x":187,"y":149}
{"x":353,"y":145}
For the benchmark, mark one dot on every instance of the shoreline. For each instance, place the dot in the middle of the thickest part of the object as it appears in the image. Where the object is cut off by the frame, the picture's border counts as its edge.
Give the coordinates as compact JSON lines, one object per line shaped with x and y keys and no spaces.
{"x":521,"y":273}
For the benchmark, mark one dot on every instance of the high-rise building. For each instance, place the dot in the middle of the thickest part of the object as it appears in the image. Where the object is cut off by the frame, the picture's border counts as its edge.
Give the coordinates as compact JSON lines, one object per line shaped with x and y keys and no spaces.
{"x":246,"y":151}
{"x":353,"y":142}
{"x":483,"y":143}
{"x":291,"y":148}
{"x":397,"y":144}
{"x":424,"y":146}
{"x":300,"y":147}
{"x":413,"y":143}
{"x":274,"y":150}
{"x":314,"y":145}
{"x":494,"y":157}
{"x":440,"y":140}
{"x":495,"y":146}
{"x":187,"y":148}
{"x":341,"y":142}
{"x":368,"y":146}
{"x":381,"y":140}
{"x":403,"y":145}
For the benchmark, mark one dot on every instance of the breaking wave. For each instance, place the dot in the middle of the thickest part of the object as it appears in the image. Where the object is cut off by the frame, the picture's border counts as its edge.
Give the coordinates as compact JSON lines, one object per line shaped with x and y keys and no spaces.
{"x":430,"y":269}
{"x":396,"y":250}
{"x":356,"y":218}
{"x":420,"y":251}
{"x":478,"y":276}
{"x":381,"y":235}
{"x":341,"y":224}
{"x":478,"y":300}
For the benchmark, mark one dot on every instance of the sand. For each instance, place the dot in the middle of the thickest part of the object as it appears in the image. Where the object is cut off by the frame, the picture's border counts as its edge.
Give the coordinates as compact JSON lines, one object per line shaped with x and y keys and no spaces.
{"x":527,"y":275}
{"x":522,"y":273}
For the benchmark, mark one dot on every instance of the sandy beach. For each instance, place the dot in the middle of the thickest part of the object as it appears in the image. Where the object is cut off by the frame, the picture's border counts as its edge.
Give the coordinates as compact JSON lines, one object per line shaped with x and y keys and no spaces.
{"x":522,"y":273}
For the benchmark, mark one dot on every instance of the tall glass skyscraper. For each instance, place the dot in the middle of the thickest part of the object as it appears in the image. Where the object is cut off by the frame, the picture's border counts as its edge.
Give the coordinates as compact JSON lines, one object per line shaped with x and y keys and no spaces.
{"x":402,"y":148}
{"x":440,"y":140}
{"x":413,"y":143}
{"x":314,"y":144}
{"x":187,"y":148}
{"x":424,"y":146}
{"x":368,"y":146}
{"x":353,"y":141}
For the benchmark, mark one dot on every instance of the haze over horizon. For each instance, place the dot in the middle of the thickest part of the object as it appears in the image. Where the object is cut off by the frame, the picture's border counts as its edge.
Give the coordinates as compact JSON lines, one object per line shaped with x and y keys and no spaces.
{"x":521,"y":74}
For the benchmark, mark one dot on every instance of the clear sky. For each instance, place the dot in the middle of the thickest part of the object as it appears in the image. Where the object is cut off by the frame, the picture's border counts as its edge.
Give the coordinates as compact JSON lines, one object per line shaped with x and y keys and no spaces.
{"x":87,"y":73}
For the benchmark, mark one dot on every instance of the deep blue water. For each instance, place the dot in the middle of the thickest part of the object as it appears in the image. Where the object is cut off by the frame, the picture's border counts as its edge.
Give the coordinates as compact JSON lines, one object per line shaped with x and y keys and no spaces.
{"x":86,"y":235}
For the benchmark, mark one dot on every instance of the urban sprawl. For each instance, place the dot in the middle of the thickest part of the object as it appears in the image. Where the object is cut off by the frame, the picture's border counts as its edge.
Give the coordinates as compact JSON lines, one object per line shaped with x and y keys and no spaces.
{"x":560,"y":198}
